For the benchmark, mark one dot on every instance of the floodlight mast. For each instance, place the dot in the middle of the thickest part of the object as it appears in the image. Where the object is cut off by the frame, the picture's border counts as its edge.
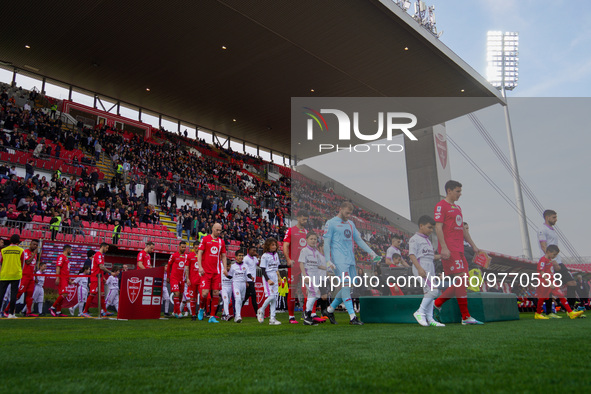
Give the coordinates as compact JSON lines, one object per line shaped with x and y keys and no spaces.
{"x":503,"y":58}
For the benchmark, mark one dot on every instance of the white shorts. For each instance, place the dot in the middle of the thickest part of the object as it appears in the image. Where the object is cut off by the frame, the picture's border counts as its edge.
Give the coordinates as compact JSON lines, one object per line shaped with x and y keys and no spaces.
{"x":38,"y":294}
{"x":82,"y":294}
{"x":311,"y":283}
{"x":226,"y":293}
{"x":271,"y":290}
{"x":429,"y":268}
{"x":239,"y":290}
{"x":112,"y":297}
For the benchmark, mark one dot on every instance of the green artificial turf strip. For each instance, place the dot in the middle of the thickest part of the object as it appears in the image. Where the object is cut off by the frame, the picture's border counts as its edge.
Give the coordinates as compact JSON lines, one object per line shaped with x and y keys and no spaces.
{"x":52,"y":355}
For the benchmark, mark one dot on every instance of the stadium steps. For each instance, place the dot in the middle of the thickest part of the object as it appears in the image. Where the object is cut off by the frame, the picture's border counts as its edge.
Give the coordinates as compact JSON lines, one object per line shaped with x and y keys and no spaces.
{"x":106,"y":167}
{"x":166,"y":220}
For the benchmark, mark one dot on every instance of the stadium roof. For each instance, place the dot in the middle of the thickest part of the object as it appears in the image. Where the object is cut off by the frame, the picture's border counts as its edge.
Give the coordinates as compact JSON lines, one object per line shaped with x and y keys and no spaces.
{"x":275,"y":50}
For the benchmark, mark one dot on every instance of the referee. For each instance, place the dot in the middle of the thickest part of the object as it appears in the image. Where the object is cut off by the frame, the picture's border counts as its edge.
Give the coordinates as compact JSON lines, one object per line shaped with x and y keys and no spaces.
{"x":12,"y":259}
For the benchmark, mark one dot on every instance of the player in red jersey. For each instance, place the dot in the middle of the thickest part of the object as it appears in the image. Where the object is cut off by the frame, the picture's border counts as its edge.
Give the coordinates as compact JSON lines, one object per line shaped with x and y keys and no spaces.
{"x":143,"y":257}
{"x":27,"y":283}
{"x":97,"y":267}
{"x":193,"y":279}
{"x":211,"y":257}
{"x":175,"y":270}
{"x":293,"y":243}
{"x":451,"y":233}
{"x":548,"y":284}
{"x":62,"y":270}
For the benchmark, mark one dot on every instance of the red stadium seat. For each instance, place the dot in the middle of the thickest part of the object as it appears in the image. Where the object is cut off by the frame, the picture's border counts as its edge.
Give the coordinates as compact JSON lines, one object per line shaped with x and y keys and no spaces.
{"x":79,"y":238}
{"x":46,"y":219}
{"x":38,"y":219}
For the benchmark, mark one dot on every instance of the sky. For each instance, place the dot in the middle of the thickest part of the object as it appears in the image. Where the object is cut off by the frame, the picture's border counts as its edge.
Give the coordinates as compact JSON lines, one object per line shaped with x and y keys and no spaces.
{"x":550,"y":119}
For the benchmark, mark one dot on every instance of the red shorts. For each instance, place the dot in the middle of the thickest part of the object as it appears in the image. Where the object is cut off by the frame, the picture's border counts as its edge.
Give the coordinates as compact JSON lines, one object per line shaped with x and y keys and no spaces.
{"x":94,"y":286}
{"x":64,"y":283}
{"x":455,"y":265}
{"x":193,"y":290}
{"x":177,"y":285}
{"x":546,"y":292}
{"x":27,"y":285}
{"x":211,"y":281}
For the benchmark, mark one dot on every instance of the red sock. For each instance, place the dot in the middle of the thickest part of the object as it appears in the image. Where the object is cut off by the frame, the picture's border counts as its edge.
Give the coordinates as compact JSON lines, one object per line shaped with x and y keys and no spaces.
{"x":290,"y":304}
{"x":314,"y":307}
{"x":29,"y":301}
{"x":208,"y":306}
{"x":202,"y":301}
{"x":177,"y":305}
{"x":193,"y":304}
{"x":215,"y":300}
{"x":540,"y":305}
{"x":89,"y":301}
{"x":462,"y":302}
{"x":446,"y":295}
{"x":58,"y":303}
{"x":103,"y":305}
{"x":566,"y":305}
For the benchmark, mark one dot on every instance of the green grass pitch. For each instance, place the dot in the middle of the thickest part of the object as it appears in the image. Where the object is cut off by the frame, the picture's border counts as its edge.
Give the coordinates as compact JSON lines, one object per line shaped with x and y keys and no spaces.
{"x":88,"y":355}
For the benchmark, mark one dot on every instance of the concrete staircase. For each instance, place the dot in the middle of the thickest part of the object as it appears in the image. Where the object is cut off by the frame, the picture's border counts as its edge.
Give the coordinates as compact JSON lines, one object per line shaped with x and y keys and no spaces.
{"x":166,"y":220}
{"x":106,"y":167}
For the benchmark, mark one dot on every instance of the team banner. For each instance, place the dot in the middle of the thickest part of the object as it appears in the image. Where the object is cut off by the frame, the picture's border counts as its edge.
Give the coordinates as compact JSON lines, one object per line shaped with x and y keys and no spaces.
{"x":140,"y":296}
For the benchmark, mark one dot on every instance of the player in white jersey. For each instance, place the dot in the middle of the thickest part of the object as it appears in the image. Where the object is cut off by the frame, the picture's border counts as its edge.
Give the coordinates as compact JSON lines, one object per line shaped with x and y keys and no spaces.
{"x":226,"y":293}
{"x":252,"y":262}
{"x":239,"y":274}
{"x":547,"y":236}
{"x":81,"y":290}
{"x":39,"y":292}
{"x":270,"y":268}
{"x":310,"y":265}
{"x":421,"y":255}
{"x":113,"y":294}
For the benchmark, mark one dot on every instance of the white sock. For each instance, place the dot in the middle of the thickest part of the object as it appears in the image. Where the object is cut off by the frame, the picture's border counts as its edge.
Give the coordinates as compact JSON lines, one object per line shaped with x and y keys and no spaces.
{"x":166,"y":306}
{"x":352,"y":316}
{"x":330,"y":309}
{"x":226,"y":308}
{"x":39,"y":307}
{"x":273,"y":308}
{"x":430,"y":309}
{"x":423,"y":309}
{"x":310,"y":304}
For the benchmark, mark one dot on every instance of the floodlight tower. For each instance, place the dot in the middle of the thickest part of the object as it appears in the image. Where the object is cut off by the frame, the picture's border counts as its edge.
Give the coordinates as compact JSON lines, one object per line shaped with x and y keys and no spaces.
{"x":502,"y":72}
